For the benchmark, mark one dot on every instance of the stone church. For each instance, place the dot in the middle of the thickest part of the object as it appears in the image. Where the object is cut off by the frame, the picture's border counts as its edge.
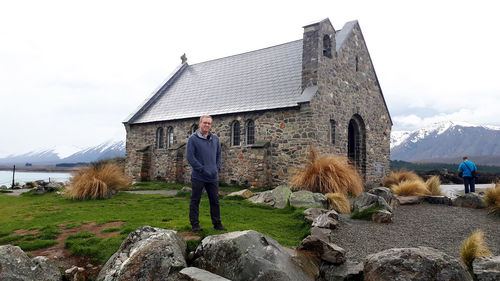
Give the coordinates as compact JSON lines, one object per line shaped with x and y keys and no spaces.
{"x":269,"y":107}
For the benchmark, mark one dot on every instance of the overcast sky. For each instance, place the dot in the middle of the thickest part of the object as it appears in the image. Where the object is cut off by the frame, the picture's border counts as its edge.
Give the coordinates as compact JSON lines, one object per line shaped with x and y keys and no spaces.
{"x":72,"y":71}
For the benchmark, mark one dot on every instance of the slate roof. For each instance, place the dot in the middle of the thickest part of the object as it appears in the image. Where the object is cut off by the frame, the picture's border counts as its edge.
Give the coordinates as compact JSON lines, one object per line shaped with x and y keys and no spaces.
{"x":268,"y":78}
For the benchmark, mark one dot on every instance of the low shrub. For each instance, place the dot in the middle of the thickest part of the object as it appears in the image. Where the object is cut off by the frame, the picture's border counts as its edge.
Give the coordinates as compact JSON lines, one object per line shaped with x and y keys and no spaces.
{"x":35,"y":244}
{"x":473,"y":247}
{"x":410,"y":188}
{"x":30,"y":184}
{"x":397,"y":177}
{"x":338,"y":202}
{"x":492,"y":198}
{"x":434,"y":185}
{"x":97,"y":181}
{"x":367,"y":213}
{"x":328,"y":174}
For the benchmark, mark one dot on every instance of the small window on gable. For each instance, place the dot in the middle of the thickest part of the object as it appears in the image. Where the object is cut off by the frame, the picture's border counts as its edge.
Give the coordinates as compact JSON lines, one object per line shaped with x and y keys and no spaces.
{"x":332,"y":131}
{"x":327,"y":46}
{"x":194,"y":128}
{"x":357,"y":63}
{"x":170,"y":137}
{"x":235,"y":133}
{"x":159,"y":137}
{"x":250,"y":132}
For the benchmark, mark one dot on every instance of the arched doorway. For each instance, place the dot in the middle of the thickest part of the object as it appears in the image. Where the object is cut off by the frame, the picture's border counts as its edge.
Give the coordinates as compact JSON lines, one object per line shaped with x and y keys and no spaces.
{"x":356,"y":146}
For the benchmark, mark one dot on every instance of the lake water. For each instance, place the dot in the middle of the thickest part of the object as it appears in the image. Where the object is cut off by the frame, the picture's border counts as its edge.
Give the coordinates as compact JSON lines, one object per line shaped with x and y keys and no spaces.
{"x":451,"y":190}
{"x":22,"y":177}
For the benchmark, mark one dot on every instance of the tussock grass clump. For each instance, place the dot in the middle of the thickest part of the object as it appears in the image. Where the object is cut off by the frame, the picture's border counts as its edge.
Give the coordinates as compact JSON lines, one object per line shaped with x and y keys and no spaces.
{"x":492,"y":198}
{"x":434,"y":185}
{"x":97,"y":181}
{"x":410,"y":188}
{"x":396,"y":177}
{"x":473,"y":247}
{"x":326,"y":174}
{"x":338,"y":202}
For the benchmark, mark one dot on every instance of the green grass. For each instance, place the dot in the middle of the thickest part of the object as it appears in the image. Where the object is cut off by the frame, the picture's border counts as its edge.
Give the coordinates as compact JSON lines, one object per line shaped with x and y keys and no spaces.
{"x":47,"y":212}
{"x":155,"y":185}
{"x":6,"y":191}
{"x":111,"y":229}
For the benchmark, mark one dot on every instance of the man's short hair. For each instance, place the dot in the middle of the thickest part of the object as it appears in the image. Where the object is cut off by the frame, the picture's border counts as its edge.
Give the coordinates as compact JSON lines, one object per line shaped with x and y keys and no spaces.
{"x":465,"y":158}
{"x":205,"y":116}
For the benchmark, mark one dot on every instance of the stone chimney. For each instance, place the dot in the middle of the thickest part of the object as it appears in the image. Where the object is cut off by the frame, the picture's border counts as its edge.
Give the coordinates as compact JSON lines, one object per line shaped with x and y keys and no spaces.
{"x":318,"y":45}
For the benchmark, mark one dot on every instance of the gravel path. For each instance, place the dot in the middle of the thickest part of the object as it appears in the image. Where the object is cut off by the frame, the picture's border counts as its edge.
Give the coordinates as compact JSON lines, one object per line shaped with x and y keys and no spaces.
{"x":437,"y":226}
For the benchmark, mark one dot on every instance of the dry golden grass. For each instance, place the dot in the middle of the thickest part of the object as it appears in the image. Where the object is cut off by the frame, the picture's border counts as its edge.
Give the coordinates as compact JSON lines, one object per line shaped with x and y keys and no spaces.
{"x":97,"y":181}
{"x":473,"y":247}
{"x":492,"y":198}
{"x":410,"y":188}
{"x":396,"y":177}
{"x":326,"y":174}
{"x":434,"y":185}
{"x":338,"y":202}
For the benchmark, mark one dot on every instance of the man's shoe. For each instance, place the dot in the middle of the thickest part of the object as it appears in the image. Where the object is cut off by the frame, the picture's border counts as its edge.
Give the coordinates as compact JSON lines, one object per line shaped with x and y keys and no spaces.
{"x":197,"y":229}
{"x":220,"y":227}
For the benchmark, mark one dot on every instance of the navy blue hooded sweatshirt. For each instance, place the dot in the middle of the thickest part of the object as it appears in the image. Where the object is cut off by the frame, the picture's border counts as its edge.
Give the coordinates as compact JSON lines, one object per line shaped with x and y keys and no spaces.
{"x":205,"y":157}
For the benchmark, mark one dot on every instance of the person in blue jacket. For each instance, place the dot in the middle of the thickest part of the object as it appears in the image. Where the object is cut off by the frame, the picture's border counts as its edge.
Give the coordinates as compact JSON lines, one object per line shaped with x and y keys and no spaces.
{"x":204,"y":155}
{"x":468,"y":169}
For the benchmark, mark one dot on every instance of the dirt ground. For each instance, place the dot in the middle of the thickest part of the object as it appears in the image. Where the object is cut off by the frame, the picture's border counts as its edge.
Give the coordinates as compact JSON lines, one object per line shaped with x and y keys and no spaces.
{"x":63,"y":258}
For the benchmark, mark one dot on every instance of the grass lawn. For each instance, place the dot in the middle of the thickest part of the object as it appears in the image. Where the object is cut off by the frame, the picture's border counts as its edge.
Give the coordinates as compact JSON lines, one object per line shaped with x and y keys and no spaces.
{"x":47,"y":215}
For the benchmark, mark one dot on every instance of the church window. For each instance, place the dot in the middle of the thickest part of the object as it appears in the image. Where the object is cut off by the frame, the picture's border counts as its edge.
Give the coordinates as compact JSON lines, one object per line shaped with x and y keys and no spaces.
{"x":159,"y":137}
{"x":235,"y":133}
{"x":170,"y":137}
{"x":357,"y":63}
{"x":250,"y":130}
{"x":332,"y":131}
{"x":327,"y":46}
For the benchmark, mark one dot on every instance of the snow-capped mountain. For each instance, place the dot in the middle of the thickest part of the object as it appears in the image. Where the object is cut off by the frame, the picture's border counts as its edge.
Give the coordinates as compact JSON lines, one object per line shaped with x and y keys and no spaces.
{"x":447,"y":142}
{"x":68,"y":154}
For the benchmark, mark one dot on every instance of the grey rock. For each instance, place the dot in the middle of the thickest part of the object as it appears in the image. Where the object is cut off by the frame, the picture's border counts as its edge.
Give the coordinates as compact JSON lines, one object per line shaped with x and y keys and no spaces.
{"x":487,"y":268}
{"x":187,"y":189}
{"x":409,"y":200}
{"x":470,"y":200}
{"x":243,"y":193}
{"x":247,"y":255}
{"x":277,"y":198}
{"x":313,"y":213}
{"x":416,"y":264}
{"x":328,"y":220}
{"x":367,"y":200}
{"x":305,"y":198}
{"x":382,"y":216}
{"x":322,"y":233}
{"x":326,"y":251}
{"x":16,"y":265}
{"x":443,"y":200}
{"x":3,"y":187}
{"x":348,"y":271}
{"x":197,"y":274}
{"x":385,"y":193}
{"x":148,"y":253}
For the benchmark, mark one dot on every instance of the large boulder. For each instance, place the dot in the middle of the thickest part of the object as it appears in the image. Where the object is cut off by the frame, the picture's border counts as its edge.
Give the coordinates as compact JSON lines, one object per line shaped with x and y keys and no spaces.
{"x":416,"y":264}
{"x":487,"y":268}
{"x":243,"y":193}
{"x":247,"y":255}
{"x":277,"y":198}
{"x":148,"y":253}
{"x":313,"y":213}
{"x":367,"y":200}
{"x":196,"y":274}
{"x":305,"y":198}
{"x":470,"y":200}
{"x":327,"y":220}
{"x":16,"y":265}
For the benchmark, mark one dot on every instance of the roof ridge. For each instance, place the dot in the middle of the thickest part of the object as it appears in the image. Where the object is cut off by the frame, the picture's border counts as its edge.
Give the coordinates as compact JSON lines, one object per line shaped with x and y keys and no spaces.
{"x":246,"y":52}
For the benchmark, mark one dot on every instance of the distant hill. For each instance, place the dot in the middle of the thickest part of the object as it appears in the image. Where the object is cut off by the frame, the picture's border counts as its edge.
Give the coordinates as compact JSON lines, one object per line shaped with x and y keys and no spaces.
{"x":448,"y":142}
{"x":51,"y":156}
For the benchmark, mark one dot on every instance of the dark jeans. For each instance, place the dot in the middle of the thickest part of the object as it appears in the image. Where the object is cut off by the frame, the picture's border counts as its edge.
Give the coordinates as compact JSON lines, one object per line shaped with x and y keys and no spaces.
{"x":469,"y":181}
{"x":212,"y":189}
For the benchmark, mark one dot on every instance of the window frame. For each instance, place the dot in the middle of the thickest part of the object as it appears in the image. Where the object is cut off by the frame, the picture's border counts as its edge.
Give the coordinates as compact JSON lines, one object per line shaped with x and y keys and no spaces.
{"x":159,"y":138}
{"x":235,"y":136}
{"x":250,"y":132}
{"x":169,"y":137}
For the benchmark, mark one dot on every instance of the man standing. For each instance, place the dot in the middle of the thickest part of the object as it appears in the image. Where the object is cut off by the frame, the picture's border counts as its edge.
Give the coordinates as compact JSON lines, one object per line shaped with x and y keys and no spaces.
{"x":468,"y":169}
{"x":204,"y":156}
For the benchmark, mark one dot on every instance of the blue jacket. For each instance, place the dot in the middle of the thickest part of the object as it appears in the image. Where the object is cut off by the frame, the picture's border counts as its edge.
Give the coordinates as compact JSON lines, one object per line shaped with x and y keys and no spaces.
{"x":467,"y":167}
{"x":205,"y":157}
